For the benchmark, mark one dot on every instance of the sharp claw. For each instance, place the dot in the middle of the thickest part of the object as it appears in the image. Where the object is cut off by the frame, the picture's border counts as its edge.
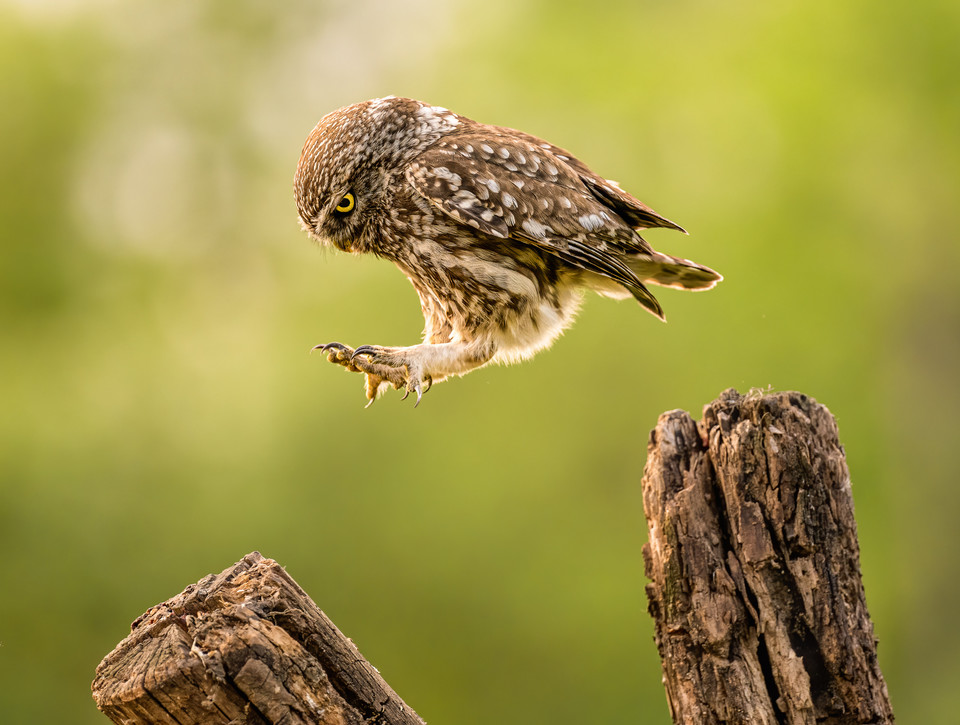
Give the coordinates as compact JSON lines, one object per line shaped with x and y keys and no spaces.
{"x":429,"y":382}
{"x":363,"y":350}
{"x":327,"y":346}
{"x":406,"y":394}
{"x":369,"y":403}
{"x":419,"y":390}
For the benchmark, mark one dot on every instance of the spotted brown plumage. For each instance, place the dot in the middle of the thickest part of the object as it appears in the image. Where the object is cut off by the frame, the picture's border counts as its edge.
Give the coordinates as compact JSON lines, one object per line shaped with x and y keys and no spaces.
{"x":497,"y":230}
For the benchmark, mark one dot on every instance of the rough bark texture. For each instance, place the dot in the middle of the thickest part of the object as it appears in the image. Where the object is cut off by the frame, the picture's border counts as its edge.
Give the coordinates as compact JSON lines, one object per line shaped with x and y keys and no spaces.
{"x":755,"y":568}
{"x":244,"y":646}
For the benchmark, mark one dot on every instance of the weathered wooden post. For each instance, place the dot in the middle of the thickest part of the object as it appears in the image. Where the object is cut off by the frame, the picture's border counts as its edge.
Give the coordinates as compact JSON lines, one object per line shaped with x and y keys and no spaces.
{"x":755,"y":567}
{"x":244,"y":646}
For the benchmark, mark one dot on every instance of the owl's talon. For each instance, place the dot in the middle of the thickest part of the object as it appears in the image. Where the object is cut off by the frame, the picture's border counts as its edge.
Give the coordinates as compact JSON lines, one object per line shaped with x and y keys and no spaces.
{"x":419,"y":389}
{"x":330,"y":346}
{"x":406,"y":394}
{"x":364,"y":350}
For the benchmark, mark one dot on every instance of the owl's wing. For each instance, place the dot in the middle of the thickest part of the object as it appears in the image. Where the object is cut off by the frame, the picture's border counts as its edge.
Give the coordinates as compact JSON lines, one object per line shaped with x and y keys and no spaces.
{"x":637,"y":214}
{"x":510,"y":185}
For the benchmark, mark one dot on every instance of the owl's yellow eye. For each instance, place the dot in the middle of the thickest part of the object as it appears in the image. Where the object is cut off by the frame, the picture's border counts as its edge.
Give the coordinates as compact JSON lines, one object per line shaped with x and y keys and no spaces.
{"x":346,"y":203}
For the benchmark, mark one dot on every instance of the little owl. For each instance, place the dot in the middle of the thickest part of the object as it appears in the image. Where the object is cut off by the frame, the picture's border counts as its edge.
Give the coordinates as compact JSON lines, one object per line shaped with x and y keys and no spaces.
{"x":496,"y":229}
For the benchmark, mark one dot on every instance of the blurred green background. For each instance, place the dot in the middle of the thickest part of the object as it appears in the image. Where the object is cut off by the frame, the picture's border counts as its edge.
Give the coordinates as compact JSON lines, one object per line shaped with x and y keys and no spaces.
{"x":162,"y":416}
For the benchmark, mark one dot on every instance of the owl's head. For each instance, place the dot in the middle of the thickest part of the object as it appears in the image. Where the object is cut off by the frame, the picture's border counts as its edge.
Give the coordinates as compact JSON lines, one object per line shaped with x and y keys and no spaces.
{"x":352,"y":158}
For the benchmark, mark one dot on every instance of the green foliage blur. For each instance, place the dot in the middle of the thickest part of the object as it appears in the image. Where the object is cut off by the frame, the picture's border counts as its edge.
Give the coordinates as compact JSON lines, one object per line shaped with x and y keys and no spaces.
{"x":162,"y":416}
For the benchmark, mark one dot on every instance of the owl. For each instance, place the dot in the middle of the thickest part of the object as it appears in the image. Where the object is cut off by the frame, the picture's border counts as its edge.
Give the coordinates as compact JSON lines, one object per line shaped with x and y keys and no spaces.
{"x":498,"y":231}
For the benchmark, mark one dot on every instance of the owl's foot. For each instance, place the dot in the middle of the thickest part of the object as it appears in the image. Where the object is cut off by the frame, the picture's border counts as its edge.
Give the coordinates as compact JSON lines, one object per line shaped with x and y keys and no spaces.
{"x":413,"y":368}
{"x":398,"y":359}
{"x":379,"y":372}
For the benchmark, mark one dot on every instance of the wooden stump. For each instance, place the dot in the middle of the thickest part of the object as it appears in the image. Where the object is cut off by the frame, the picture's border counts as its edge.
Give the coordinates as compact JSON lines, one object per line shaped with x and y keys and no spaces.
{"x":244,"y":646}
{"x":754,"y":566}
{"x":755,"y":591}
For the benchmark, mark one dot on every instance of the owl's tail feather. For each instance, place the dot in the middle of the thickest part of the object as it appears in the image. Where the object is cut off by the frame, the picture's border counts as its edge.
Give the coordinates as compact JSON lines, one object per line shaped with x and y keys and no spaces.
{"x":667,"y":271}
{"x":649,"y":302}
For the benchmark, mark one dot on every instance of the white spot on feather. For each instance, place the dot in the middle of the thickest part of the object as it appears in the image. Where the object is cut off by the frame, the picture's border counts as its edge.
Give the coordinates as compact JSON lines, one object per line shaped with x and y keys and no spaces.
{"x":442,"y":172}
{"x":534,"y":228}
{"x":591,"y":222}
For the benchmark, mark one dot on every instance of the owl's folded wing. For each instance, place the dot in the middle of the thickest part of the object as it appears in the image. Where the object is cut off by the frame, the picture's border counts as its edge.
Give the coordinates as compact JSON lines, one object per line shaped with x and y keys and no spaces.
{"x":510,"y":185}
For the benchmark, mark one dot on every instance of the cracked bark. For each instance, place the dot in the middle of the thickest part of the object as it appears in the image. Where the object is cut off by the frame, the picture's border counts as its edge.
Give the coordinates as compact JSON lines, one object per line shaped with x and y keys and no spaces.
{"x":244,"y":646}
{"x":754,"y":565}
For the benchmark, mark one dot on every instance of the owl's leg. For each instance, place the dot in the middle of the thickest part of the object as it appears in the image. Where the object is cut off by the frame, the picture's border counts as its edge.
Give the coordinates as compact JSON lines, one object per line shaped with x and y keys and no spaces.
{"x":422,"y":365}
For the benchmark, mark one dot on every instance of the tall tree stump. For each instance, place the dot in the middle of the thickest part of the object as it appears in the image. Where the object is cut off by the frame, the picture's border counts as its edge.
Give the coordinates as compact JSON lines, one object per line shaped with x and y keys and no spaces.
{"x":754,"y":566}
{"x":244,"y":646}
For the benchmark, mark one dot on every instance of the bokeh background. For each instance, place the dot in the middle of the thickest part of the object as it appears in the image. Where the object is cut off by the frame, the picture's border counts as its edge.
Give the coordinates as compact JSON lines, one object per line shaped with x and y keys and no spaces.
{"x":161,"y":415}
